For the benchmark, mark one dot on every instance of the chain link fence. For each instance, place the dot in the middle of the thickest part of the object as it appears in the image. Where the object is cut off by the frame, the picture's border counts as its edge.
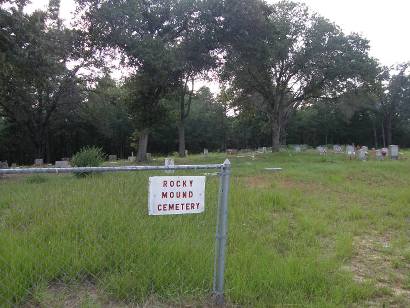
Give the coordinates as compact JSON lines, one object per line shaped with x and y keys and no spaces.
{"x":88,"y":241}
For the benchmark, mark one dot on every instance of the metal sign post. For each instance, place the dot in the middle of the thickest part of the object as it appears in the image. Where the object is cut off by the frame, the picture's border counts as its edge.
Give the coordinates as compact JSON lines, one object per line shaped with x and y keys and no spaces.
{"x":221,"y":233}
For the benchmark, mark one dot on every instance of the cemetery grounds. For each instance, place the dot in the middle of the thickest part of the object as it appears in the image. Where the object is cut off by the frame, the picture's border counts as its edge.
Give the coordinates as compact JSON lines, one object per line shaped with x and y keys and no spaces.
{"x":326,"y":231}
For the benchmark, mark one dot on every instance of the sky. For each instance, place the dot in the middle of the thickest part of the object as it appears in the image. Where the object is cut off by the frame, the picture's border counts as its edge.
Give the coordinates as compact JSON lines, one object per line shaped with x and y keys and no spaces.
{"x":385,"y":23}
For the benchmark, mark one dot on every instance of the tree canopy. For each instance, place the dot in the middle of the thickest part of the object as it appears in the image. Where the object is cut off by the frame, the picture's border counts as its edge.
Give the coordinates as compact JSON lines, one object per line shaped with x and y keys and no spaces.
{"x":287,"y":75}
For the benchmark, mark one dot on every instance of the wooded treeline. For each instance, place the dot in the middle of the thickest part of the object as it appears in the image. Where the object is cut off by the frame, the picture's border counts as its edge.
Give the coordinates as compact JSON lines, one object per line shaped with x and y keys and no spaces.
{"x":288,"y":76}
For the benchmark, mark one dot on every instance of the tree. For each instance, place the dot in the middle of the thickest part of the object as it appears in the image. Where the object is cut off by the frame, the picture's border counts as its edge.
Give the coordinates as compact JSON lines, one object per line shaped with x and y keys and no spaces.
{"x":280,"y":57}
{"x":105,"y":114}
{"x":153,"y":39}
{"x":396,"y":98}
{"x":34,"y":79}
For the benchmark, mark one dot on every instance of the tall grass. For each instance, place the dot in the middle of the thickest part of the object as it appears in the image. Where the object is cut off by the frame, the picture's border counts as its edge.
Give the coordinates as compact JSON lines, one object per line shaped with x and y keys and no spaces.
{"x":289,"y":233}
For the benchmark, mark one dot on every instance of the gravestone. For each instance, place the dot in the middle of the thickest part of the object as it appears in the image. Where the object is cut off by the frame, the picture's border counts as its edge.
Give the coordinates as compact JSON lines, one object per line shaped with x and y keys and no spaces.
{"x":232,"y":151}
{"x":350,"y":152}
{"x":149,"y":156}
{"x":322,"y":150}
{"x":264,"y":150}
{"x":38,"y":162}
{"x":62,"y":164}
{"x":186,"y":153}
{"x":206,"y":152}
{"x":298,"y":148}
{"x":112,"y":157}
{"x":132,"y":159}
{"x":4,"y":164}
{"x":362,"y":154}
{"x":379,"y":155}
{"x":169,"y":162}
{"x":337,"y":149}
{"x":385,"y":152}
{"x":394,"y":152}
{"x":13,"y":165}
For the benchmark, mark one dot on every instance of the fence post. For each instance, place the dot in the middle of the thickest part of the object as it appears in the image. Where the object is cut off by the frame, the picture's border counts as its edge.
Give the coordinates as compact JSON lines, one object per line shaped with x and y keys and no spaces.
{"x":221,"y":232}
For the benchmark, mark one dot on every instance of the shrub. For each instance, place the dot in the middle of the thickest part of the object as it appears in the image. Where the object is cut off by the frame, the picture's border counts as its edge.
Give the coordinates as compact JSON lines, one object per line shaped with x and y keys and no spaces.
{"x":88,"y":157}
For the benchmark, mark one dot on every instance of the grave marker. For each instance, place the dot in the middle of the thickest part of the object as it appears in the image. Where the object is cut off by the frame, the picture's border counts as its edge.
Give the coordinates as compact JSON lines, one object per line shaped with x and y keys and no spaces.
{"x":322,"y":150}
{"x":62,"y":164}
{"x":168,"y":163}
{"x":394,"y":152}
{"x":379,"y":155}
{"x":38,"y":162}
{"x":337,"y":149}
{"x":362,"y":154}
{"x":350,"y":151}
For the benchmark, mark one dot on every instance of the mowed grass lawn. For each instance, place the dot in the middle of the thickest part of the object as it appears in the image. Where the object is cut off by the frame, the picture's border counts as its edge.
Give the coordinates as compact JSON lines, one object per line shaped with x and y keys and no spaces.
{"x":325,"y":231}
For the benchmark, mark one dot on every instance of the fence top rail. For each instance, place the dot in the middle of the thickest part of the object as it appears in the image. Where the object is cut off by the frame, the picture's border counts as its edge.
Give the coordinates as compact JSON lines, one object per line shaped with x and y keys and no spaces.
{"x":107,"y":169}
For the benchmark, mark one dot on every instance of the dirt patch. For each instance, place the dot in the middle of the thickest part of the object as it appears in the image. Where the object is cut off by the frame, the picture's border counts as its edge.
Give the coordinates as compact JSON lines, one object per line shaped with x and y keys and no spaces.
{"x":63,"y":295}
{"x":374,"y":261}
{"x":258,"y":181}
{"x":87,"y":295}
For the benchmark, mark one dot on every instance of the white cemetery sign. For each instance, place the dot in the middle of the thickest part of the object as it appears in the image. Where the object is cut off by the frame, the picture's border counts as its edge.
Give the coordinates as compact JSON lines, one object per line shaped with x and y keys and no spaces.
{"x":170,"y":195}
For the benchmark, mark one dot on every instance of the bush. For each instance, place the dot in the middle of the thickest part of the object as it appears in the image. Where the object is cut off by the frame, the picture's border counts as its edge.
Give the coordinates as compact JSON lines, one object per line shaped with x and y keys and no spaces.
{"x":88,"y":157}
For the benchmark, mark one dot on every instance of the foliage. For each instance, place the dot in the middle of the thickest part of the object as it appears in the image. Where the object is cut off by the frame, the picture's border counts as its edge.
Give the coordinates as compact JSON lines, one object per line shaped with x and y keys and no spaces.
{"x":88,"y":157}
{"x":280,"y":57}
{"x":35,"y":82}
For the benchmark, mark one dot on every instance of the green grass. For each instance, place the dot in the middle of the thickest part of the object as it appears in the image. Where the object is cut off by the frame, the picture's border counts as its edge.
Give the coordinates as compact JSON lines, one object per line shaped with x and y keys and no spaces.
{"x":323,"y":232}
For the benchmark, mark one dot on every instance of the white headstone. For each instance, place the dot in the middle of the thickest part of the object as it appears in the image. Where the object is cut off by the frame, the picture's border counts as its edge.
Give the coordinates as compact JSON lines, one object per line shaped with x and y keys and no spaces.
{"x":112,"y":157}
{"x":350,"y":151}
{"x":394,"y":151}
{"x":205,"y":152}
{"x":298,"y":148}
{"x":337,"y":149}
{"x":62,"y":164}
{"x":385,"y":152}
{"x":169,"y":162}
{"x":379,"y":155}
{"x":38,"y":162}
{"x":149,"y":156}
{"x":186,"y":153}
{"x":322,"y":150}
{"x":362,"y":154}
{"x":132,"y":159}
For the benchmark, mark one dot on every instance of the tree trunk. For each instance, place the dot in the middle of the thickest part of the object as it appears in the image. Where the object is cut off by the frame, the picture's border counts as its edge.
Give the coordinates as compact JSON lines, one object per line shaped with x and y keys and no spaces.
{"x":389,"y":131}
{"x":275,"y":135}
{"x":375,"y":135}
{"x":181,"y":138}
{"x":143,"y":145}
{"x":383,"y":135}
